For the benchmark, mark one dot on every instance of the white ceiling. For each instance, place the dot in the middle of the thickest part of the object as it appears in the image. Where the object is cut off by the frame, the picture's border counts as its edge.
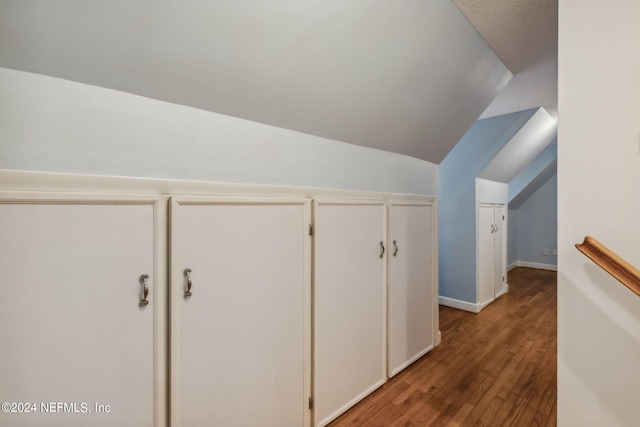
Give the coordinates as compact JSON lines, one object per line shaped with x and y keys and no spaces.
{"x":530,"y":140}
{"x":524,"y":34}
{"x":403,"y":76}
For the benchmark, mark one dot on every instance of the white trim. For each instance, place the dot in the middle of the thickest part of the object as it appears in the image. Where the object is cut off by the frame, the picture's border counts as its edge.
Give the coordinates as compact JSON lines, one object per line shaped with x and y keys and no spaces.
{"x":459,"y":304}
{"x":482,"y":305}
{"x":19,"y":180}
{"x":504,"y":291}
{"x":512,"y":266}
{"x":396,"y":371}
{"x":537,"y":265}
{"x":351,"y":403}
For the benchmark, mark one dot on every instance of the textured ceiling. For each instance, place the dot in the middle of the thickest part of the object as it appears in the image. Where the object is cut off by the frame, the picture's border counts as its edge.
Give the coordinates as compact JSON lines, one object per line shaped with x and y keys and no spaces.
{"x":408,"y":77}
{"x":524,"y":34}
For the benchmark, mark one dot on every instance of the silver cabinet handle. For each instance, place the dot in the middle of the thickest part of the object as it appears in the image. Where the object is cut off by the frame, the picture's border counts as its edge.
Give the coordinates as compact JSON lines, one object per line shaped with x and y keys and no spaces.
{"x":395,"y":248}
{"x":144,"y":280}
{"x":493,"y":228}
{"x":381,"y":249}
{"x":496,"y":229}
{"x":187,"y":292}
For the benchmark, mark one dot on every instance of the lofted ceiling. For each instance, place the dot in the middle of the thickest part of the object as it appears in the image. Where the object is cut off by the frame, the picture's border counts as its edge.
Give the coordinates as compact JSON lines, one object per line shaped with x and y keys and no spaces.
{"x":524,"y":34}
{"x":539,"y":131}
{"x":408,"y":77}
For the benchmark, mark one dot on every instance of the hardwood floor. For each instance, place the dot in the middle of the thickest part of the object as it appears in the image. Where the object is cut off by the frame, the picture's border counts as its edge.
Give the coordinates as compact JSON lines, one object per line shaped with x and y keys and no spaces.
{"x":494,"y":368}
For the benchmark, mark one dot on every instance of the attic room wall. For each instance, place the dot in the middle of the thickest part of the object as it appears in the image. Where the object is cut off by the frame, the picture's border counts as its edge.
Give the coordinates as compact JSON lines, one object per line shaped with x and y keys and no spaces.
{"x":457,"y":201}
{"x":49,"y":124}
{"x":529,"y":173}
{"x":598,"y":187}
{"x":537,"y":226}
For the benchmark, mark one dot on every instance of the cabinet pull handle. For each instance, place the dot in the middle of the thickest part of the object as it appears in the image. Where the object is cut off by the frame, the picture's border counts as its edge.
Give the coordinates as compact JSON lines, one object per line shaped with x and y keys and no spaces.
{"x":381,"y":249}
{"x":492,"y":228}
{"x":187,"y":292}
{"x":395,"y":248}
{"x":144,"y":280}
{"x":496,"y":228}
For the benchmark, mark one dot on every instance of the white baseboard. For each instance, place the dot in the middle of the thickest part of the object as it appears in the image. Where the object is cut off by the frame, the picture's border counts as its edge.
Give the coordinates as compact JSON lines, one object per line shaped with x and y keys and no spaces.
{"x":537,"y":265}
{"x":459,"y":304}
{"x":482,"y":305}
{"x":504,"y":291}
{"x":512,"y":266}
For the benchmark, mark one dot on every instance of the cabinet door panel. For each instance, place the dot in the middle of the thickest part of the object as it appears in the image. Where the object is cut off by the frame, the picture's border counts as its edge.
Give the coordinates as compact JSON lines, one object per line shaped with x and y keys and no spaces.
{"x":349,"y":305}
{"x":239,"y":343}
{"x":485,"y":266}
{"x":499,"y":269}
{"x":73,"y":332}
{"x":411,"y":287}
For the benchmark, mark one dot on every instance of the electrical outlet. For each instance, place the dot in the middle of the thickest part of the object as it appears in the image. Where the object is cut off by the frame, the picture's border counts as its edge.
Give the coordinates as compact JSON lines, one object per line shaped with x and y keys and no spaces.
{"x":555,"y":252}
{"x":545,"y":251}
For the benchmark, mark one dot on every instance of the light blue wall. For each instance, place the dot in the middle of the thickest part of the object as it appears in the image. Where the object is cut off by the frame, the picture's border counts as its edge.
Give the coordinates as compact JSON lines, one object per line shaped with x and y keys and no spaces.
{"x":533,"y":210}
{"x":537,"y":225}
{"x":457,"y":200}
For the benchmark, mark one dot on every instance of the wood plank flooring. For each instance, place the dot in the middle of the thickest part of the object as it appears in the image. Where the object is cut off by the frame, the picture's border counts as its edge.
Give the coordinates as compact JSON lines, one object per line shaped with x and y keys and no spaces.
{"x":494,"y":368}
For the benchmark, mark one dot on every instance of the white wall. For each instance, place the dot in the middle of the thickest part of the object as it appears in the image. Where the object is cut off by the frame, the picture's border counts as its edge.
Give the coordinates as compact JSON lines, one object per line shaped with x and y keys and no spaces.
{"x":406,"y":76}
{"x":491,"y":191}
{"x":49,"y":124}
{"x":598,"y":195}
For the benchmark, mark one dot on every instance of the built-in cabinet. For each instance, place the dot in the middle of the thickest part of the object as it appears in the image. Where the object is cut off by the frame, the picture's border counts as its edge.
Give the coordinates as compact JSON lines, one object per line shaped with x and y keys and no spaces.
{"x":375,"y":289}
{"x":491,"y":249}
{"x":240,"y":325}
{"x":349,"y":304}
{"x":412,"y":285}
{"x":80,"y":291}
{"x":280,"y":311}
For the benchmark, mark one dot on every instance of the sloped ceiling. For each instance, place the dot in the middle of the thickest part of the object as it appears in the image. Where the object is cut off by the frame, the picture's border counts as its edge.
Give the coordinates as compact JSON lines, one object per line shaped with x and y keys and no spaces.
{"x":408,"y":77}
{"x":531,"y":139}
{"x":524,"y":34}
{"x":535,"y":184}
{"x":532,"y":170}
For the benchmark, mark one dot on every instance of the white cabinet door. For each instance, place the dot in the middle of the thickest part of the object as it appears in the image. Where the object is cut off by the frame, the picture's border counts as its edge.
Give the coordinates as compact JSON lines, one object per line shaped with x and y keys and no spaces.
{"x":240,"y":344}
{"x":500,"y":268}
{"x":411,"y":287}
{"x":349,"y":305}
{"x":73,"y":333}
{"x":486,"y":274}
{"x":492,"y":249}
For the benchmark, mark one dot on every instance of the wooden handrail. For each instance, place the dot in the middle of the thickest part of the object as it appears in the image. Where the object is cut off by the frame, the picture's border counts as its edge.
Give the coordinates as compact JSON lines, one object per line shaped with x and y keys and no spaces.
{"x":613,"y":264}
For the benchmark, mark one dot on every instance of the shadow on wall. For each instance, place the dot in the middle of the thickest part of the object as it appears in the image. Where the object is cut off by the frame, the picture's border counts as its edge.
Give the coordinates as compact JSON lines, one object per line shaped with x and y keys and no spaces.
{"x":610,"y":381}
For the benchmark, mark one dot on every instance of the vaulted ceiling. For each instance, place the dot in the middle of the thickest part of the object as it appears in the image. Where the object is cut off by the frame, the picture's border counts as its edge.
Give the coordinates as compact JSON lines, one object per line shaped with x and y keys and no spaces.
{"x":408,"y":77}
{"x":524,"y":34}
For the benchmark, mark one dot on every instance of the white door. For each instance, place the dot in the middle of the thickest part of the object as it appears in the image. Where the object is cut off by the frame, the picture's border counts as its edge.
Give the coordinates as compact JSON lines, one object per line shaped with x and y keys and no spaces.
{"x":499,"y":250}
{"x":349,"y":305}
{"x":411,"y":285}
{"x":240,"y":343}
{"x":486,"y":275}
{"x":77,"y":346}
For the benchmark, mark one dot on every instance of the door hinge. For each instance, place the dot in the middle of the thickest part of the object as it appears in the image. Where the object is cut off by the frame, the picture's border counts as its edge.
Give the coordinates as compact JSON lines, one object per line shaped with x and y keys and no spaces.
{"x":310,"y":403}
{"x":503,"y":217}
{"x":310,"y":229}
{"x":502,"y":279}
